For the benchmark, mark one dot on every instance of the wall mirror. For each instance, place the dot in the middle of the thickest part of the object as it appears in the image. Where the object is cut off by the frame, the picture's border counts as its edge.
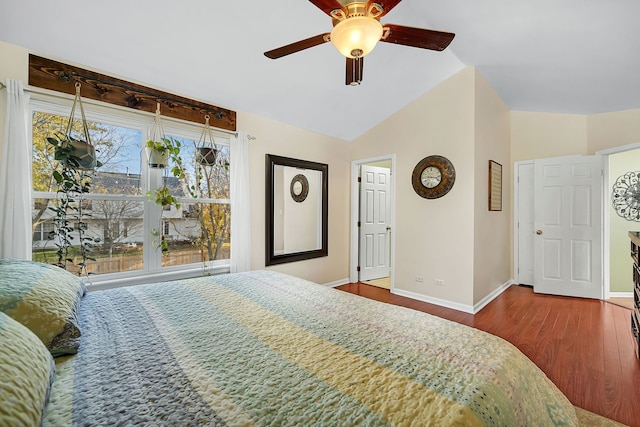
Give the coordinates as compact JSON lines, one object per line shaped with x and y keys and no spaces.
{"x":296,"y":209}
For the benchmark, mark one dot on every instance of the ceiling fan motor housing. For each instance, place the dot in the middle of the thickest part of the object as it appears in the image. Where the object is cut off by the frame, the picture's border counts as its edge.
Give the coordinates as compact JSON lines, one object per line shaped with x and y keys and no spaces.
{"x":356,"y":33}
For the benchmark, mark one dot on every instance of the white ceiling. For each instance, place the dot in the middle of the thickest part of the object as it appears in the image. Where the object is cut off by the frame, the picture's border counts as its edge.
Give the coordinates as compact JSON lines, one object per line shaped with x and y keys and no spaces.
{"x":566,"y":56}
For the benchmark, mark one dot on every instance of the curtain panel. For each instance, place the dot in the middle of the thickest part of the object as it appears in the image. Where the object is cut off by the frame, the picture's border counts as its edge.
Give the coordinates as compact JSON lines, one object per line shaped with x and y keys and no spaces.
{"x":15,"y":176}
{"x":240,"y":204}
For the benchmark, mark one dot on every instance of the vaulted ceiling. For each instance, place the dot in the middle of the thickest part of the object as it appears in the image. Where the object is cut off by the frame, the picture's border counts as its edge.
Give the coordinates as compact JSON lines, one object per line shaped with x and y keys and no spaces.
{"x":569,"y":56}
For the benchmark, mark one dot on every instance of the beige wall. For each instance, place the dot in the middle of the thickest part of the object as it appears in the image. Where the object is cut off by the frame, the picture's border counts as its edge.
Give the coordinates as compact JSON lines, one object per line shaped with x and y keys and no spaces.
{"x":613,"y":129}
{"x":284,"y":140}
{"x":540,"y":135}
{"x":270,"y":137}
{"x":492,"y":236}
{"x":464,"y":120}
{"x":432,"y":237}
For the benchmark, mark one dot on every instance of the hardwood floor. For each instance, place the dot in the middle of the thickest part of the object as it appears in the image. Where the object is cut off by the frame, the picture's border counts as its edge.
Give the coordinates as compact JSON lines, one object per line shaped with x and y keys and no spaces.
{"x":584,"y":346}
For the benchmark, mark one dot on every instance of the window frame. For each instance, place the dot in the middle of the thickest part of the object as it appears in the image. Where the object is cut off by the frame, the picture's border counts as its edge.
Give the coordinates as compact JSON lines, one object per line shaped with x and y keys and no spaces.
{"x":122,"y":117}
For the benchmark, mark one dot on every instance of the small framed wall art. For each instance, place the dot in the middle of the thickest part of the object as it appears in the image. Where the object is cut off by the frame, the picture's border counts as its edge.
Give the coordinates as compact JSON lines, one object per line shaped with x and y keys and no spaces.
{"x":495,"y":186}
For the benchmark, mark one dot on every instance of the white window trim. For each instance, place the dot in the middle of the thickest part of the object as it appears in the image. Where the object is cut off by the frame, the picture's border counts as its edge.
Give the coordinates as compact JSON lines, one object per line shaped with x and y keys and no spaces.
{"x":120,"y":116}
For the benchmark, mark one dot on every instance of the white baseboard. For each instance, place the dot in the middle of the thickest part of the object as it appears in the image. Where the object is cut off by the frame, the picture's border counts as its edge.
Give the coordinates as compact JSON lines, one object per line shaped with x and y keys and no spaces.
{"x":337,"y":283}
{"x":493,"y":295}
{"x":436,"y":301}
{"x":454,"y":305}
{"x":620,"y":294}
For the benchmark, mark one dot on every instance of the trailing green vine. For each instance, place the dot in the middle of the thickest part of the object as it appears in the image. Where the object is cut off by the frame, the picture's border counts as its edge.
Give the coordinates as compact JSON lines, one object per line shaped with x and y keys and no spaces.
{"x":162,"y":196}
{"x":73,"y":182}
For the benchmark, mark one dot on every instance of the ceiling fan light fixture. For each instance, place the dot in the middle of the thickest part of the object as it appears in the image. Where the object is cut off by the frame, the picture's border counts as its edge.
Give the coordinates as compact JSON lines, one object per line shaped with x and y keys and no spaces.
{"x":357,"y":36}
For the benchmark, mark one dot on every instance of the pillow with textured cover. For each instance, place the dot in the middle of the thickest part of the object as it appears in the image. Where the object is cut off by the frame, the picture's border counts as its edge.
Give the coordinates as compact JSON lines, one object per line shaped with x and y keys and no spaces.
{"x":45,"y":299}
{"x":27,"y":372}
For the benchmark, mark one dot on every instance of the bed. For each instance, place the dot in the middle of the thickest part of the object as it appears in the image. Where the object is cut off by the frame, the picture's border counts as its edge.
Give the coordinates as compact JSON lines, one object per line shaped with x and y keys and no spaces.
{"x":256,"y":348}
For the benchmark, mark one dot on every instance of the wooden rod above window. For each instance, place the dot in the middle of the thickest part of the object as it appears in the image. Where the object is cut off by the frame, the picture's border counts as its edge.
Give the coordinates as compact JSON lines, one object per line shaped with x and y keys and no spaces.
{"x":54,"y":75}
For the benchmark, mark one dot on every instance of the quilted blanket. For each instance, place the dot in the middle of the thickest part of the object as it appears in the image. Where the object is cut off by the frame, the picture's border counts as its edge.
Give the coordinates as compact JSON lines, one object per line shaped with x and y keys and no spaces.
{"x":263,"y":348}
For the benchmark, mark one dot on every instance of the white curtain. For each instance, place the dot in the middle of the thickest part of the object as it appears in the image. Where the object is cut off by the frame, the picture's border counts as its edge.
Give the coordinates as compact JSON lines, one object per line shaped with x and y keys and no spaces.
{"x":240,"y":204}
{"x":15,"y":177}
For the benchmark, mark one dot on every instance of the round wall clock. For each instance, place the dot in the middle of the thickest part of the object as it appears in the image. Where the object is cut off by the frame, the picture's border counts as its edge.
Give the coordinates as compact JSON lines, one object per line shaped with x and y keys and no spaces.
{"x":433,"y":177}
{"x":299,"y":188}
{"x":626,"y":196}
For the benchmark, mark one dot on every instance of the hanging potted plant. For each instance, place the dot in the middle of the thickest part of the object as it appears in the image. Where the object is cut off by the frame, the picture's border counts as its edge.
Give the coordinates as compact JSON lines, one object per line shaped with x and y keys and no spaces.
{"x":74,"y":152}
{"x":158,"y":152}
{"x":162,"y":196}
{"x":206,"y":154}
{"x":161,"y":153}
{"x":73,"y":176}
{"x":158,"y":148}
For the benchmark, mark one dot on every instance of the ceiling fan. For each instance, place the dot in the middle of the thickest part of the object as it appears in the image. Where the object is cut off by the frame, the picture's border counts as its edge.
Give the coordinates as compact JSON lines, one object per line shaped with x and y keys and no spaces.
{"x":357,"y":30}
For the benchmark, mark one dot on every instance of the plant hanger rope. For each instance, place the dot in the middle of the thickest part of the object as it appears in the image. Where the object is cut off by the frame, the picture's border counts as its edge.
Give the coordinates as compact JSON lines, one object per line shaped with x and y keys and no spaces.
{"x":79,"y":151}
{"x":156,"y":133}
{"x":78,"y":101}
{"x":206,"y":132}
{"x":207,"y":154}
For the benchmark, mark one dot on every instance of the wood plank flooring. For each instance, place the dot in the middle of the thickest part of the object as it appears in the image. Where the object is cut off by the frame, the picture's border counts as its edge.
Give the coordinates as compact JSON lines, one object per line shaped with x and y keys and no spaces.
{"x":584,"y":346}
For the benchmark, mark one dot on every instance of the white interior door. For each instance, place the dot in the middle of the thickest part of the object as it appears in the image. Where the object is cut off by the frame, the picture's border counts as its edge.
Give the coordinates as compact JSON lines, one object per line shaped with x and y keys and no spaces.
{"x":568,"y":223}
{"x":375,"y":208}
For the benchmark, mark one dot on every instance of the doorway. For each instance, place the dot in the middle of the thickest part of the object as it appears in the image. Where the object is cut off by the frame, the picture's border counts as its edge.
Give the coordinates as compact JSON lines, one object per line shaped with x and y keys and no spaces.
{"x":372,"y":238}
{"x":524,"y":228}
{"x":559,"y":226}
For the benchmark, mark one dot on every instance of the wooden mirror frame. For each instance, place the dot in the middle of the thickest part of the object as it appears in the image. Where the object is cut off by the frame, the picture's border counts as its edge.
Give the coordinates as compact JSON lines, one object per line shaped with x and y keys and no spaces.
{"x":271,"y":161}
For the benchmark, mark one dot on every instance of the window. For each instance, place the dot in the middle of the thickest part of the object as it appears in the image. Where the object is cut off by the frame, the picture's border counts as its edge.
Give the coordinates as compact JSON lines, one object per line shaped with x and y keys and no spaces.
{"x":42,"y":232}
{"x":127,"y":227}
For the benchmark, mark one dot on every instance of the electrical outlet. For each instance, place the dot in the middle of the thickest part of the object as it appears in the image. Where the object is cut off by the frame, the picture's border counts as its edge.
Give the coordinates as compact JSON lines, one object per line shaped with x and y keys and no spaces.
{"x":419,"y":279}
{"x":439,"y":282}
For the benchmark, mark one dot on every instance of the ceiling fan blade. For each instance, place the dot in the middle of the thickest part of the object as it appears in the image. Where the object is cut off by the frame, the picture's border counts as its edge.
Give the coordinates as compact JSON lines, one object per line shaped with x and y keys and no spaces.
{"x":387,"y":5}
{"x":417,"y":37}
{"x":328,"y":5}
{"x":354,"y":71}
{"x":297,"y":46}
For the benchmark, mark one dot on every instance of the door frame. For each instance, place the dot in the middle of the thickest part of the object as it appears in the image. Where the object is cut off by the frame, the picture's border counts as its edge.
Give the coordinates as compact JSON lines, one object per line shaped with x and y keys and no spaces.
{"x":355,"y":216}
{"x":606,"y":218}
{"x":516,"y":216}
{"x":606,"y":214}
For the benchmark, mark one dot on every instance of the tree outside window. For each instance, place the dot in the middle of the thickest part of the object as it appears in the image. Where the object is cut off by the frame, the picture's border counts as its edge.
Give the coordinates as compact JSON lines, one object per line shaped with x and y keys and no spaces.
{"x":199,"y":230}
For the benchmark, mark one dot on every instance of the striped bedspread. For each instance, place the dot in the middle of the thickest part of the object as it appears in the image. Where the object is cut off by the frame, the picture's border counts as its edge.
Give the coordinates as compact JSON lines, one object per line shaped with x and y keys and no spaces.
{"x":263,"y":348}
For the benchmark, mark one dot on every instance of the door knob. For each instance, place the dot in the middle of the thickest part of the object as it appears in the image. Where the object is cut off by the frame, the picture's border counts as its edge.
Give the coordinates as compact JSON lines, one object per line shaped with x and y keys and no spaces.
{"x":388,"y":228}
{"x":538,"y":232}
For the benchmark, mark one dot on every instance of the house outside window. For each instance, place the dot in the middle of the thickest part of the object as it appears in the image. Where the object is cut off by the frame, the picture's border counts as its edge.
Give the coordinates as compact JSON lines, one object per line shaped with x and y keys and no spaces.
{"x":124,"y":222}
{"x":43,"y":232}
